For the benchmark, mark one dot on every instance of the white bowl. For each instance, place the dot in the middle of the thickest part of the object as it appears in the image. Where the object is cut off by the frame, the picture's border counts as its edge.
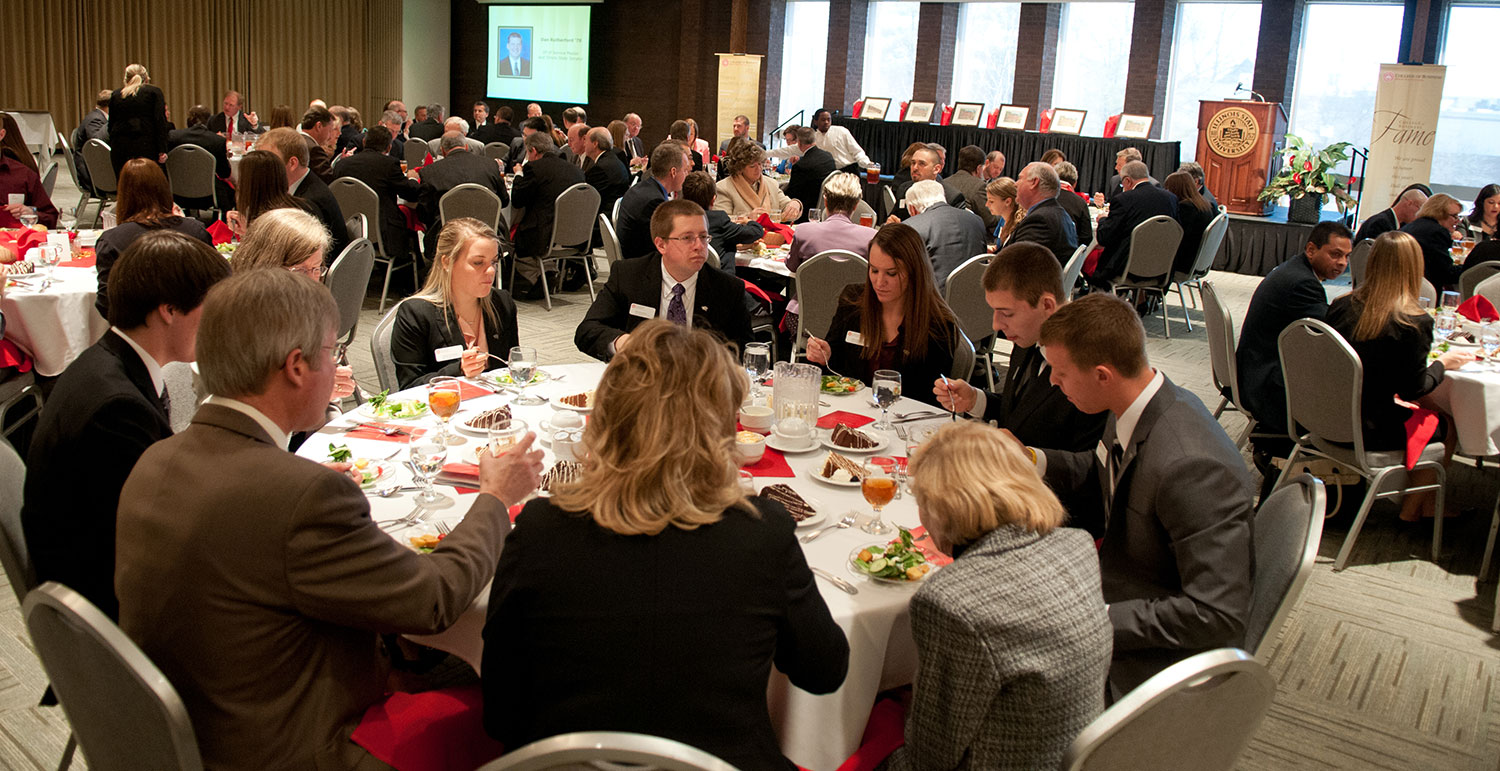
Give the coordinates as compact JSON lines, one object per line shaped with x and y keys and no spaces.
{"x":756,"y":418}
{"x":748,"y":452}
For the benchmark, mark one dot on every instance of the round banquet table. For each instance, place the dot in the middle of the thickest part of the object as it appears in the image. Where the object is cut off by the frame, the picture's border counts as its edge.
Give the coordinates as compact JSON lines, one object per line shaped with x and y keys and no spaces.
{"x":816,"y":732}
{"x":55,"y":325}
{"x":1471,"y":395}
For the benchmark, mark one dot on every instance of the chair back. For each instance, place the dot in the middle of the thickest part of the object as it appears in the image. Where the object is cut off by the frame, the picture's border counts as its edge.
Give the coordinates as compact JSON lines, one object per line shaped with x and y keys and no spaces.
{"x":1429,"y":292}
{"x":101,"y":168}
{"x":1473,"y":276}
{"x":470,"y":200}
{"x":863,"y":207}
{"x":1221,"y":343}
{"x":1359,"y":259}
{"x":607,"y":750}
{"x":888,"y":198}
{"x":123,"y":711}
{"x":14,"y":555}
{"x":713,"y":257}
{"x":1074,"y":268}
{"x":614,"y":214}
{"x":67,"y":151}
{"x":357,"y":225}
{"x":964,"y":294}
{"x":380,"y":351}
{"x":349,"y":282}
{"x":1288,"y":528}
{"x":190,"y":171}
{"x":609,"y":240}
{"x":820,"y":280}
{"x":355,"y":197}
{"x":1208,"y":248}
{"x":1153,"y":246}
{"x":573,"y":217}
{"x":1489,"y":289}
{"x":49,"y":179}
{"x":415,"y":152}
{"x":963,"y":357}
{"x":1324,"y":379}
{"x":1196,"y":715}
{"x":497,"y":151}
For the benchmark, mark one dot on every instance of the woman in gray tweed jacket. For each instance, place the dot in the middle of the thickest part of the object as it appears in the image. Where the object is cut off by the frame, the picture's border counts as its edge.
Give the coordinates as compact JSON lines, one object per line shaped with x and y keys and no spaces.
{"x":1013,"y":640}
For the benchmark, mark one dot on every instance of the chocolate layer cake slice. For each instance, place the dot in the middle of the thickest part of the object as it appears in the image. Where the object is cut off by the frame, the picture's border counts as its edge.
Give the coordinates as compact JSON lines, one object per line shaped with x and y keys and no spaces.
{"x":562,"y":472}
{"x":496,"y":418}
{"x":835,"y":462}
{"x":786,"y":496}
{"x":854,"y":439}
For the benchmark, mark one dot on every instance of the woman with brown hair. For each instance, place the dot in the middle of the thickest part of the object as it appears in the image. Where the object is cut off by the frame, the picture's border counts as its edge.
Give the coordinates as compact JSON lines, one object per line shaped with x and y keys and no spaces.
{"x":1193,"y":214}
{"x":896,"y":320}
{"x":746,"y":192}
{"x":262,"y":188}
{"x":137,"y":120}
{"x":617,"y":133}
{"x":144,"y":204}
{"x":1433,"y":229}
{"x":1391,"y":334}
{"x":281,"y":117}
{"x":1000,"y":199}
{"x":650,"y":577}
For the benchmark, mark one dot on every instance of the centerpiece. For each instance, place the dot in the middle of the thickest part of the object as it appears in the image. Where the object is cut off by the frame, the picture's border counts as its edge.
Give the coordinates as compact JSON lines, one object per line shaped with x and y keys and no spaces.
{"x":1306,"y":177}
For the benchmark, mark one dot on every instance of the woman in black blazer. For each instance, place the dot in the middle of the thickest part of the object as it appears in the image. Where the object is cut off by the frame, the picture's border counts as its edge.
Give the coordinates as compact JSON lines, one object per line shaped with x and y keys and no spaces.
{"x":651,"y":595}
{"x":145,"y":204}
{"x":137,"y":120}
{"x":1433,"y":229}
{"x":1193,"y":213}
{"x":896,"y":320}
{"x":458,"y":307}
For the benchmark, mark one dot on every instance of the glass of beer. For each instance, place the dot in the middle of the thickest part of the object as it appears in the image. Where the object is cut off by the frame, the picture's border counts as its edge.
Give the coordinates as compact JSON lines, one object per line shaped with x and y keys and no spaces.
{"x":867,"y":219}
{"x":403,"y":167}
{"x":872,"y":174}
{"x":878,"y":484}
{"x":443,"y":397}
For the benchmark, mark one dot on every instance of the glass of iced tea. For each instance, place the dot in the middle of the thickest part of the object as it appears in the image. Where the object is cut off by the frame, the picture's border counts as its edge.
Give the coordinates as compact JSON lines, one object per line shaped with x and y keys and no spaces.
{"x":506,"y":436}
{"x":878,"y":484}
{"x":443,"y":397}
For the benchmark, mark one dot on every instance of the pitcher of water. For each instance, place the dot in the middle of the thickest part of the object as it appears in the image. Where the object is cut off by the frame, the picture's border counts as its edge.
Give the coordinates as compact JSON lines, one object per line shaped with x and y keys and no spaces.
{"x":794,"y":393}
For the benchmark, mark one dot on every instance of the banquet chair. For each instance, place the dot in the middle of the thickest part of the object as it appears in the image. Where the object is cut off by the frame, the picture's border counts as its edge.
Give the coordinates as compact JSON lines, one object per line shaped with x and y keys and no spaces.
{"x":101,"y":174}
{"x":380,"y":351}
{"x":471,"y":200}
{"x":123,"y":711}
{"x":1074,"y":269}
{"x":572,"y":230}
{"x":964,"y":294}
{"x":49,"y":178}
{"x":14,"y":390}
{"x":14,"y":555}
{"x":414,"y":153}
{"x":1429,"y":292}
{"x":1288,"y":528}
{"x":1472,"y":277}
{"x":353,"y":195}
{"x":888,"y":199}
{"x":614,"y":215}
{"x":1196,"y":715}
{"x":963,"y":357}
{"x":85,"y":192}
{"x":1148,"y":267}
{"x":497,"y":151}
{"x":1221,"y":354}
{"x":1213,"y":236}
{"x":357,"y":226}
{"x":190,"y":172}
{"x":609,"y":241}
{"x":1359,"y":258}
{"x":1324,"y":382}
{"x":348,"y":280}
{"x":712,"y":257}
{"x":1489,"y":289}
{"x":820,"y":280}
{"x":607,"y":750}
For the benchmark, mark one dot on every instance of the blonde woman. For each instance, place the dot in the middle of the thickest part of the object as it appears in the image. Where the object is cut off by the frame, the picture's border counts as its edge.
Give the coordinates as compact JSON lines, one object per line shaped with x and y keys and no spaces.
{"x":458,"y":307}
{"x":1013,"y":638}
{"x":1433,"y":229}
{"x":1391,"y":334}
{"x":1000,"y":199}
{"x":137,"y":120}
{"x":746,"y":192}
{"x":284,"y":238}
{"x":653,"y":579}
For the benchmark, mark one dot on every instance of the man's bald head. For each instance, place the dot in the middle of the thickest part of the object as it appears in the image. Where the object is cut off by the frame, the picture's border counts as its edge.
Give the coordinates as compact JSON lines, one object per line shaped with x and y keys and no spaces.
{"x":452,"y":141}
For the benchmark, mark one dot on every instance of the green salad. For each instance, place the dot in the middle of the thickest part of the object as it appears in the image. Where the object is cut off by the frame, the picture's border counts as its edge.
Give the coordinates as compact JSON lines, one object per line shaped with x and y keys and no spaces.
{"x":833,"y":384}
{"x":504,"y":378}
{"x":382,"y":406}
{"x":896,"y":561}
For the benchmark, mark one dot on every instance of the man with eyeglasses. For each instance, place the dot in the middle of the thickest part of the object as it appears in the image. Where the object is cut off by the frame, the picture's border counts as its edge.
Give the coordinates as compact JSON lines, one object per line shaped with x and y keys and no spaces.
{"x":677,"y":285}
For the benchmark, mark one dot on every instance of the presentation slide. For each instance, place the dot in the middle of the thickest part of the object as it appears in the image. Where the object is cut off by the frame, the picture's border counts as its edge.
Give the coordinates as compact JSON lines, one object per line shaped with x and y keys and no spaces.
{"x":539,"y":53}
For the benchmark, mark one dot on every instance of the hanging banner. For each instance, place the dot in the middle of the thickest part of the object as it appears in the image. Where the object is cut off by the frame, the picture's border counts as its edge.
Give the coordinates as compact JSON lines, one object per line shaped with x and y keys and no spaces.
{"x":1404,"y":130}
{"x":739,"y":94}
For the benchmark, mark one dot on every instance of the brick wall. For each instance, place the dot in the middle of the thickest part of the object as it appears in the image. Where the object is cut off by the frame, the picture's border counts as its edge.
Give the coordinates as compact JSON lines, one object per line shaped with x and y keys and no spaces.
{"x":937,"y":40}
{"x":1150,"y":60}
{"x":1036,"y":57}
{"x":845,"y":67}
{"x":1276,"y":49}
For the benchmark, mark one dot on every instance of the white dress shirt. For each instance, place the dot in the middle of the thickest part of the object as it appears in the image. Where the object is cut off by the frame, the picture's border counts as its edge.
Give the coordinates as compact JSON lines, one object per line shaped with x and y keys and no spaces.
{"x":1124,"y":425}
{"x":278,"y":437}
{"x":689,"y":293}
{"x":841,"y":145}
{"x":152,"y":368}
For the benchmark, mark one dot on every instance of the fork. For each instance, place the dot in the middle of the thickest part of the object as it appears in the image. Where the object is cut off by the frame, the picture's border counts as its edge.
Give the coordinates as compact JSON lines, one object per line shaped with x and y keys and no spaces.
{"x":843,"y":523}
{"x":406,"y":521}
{"x":387,"y":430}
{"x":442,"y":527}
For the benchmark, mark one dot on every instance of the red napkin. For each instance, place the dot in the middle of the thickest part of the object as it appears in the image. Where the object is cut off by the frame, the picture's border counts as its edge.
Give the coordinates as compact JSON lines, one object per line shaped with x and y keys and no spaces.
{"x":366,"y":431}
{"x":858,"y":106}
{"x":429,"y":731}
{"x":220,"y":233}
{"x":1420,"y":428}
{"x":459,"y":472}
{"x":772,"y":464}
{"x":924,"y":545}
{"x":1092,"y":261}
{"x":11,"y":355}
{"x":847,"y":418}
{"x":467,"y":391}
{"x":771,"y":227}
{"x":85,"y":259}
{"x":1478,"y":308}
{"x":412,"y":221}
{"x":884,"y":733}
{"x":22,"y":239}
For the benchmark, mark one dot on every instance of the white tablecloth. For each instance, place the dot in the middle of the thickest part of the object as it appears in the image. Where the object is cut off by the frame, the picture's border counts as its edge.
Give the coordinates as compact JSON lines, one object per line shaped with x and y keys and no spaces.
{"x":56,"y":325}
{"x":37,"y":129}
{"x":773,"y":262}
{"x":817,"y":732}
{"x":1472,"y":396}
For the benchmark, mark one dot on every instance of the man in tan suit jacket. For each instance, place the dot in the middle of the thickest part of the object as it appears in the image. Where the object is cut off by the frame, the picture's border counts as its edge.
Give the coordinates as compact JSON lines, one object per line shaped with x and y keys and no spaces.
{"x":256,"y":579}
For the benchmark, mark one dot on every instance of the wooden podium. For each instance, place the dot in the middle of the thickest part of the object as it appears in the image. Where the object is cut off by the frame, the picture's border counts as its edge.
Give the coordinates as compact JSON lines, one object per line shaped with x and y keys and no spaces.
{"x":1239,"y":147}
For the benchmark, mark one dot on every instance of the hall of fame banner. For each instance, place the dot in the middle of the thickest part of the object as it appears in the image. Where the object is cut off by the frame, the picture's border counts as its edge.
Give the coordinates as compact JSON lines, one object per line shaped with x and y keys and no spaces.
{"x":1403,"y":131}
{"x":739,"y":94}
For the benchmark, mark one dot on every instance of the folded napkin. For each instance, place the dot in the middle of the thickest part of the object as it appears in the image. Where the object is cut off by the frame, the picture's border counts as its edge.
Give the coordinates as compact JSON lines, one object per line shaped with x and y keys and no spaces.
{"x":429,"y":731}
{"x":368,"y":431}
{"x":412,"y":221}
{"x":85,"y":259}
{"x":1478,"y":308}
{"x":21,"y":239}
{"x":772,"y":464}
{"x":467,"y":390}
{"x":884,"y":733}
{"x":1420,"y":428}
{"x":772,"y":227}
{"x":847,"y":418}
{"x":11,"y":355}
{"x":459,"y":476}
{"x":220,"y":233}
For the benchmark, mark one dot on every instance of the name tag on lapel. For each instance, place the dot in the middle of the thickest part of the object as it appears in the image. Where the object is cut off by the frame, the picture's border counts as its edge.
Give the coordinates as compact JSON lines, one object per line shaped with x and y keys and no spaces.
{"x":854,"y":338}
{"x":643,"y":311}
{"x":448,"y":354}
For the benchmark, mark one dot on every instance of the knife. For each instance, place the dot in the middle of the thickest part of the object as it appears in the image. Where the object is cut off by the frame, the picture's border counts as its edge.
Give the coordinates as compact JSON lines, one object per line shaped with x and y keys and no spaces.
{"x":835,"y":580}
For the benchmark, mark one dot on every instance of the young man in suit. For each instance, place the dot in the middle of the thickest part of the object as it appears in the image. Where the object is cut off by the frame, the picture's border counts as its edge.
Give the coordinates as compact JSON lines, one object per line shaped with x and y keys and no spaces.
{"x":677,"y":285}
{"x":1165,"y":487}
{"x":669,"y":166}
{"x":263,"y":602}
{"x":291,"y":148}
{"x":374,"y":166}
{"x":199,"y":134}
{"x":926,"y":164}
{"x":95,"y":125}
{"x":1140,"y":201}
{"x":544,"y":177}
{"x":1046,"y":221}
{"x":808,"y":173}
{"x":1023,"y":284}
{"x":108,"y":406}
{"x":967,"y":181}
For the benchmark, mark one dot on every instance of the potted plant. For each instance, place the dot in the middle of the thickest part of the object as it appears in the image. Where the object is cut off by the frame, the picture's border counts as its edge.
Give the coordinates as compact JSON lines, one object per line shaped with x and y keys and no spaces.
{"x":1306,"y":176}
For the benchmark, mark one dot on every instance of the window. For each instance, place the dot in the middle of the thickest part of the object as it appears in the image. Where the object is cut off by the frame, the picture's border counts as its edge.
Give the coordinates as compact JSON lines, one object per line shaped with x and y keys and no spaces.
{"x":806,"y":41}
{"x":1466,"y":153}
{"x":890,"y":52}
{"x":984,"y":69}
{"x":1214,"y":51}
{"x":1336,"y":77}
{"x":1093,"y":48}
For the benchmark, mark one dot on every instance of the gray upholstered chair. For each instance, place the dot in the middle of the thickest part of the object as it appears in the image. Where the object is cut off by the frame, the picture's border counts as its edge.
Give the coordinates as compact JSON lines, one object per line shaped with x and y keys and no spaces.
{"x":607,"y":750}
{"x":820,"y":280}
{"x":1288,"y":528}
{"x":1148,"y":268}
{"x":964,"y":294}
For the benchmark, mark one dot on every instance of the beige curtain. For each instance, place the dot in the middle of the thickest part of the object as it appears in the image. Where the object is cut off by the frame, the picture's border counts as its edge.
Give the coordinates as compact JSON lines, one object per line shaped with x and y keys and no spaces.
{"x":271,"y":51}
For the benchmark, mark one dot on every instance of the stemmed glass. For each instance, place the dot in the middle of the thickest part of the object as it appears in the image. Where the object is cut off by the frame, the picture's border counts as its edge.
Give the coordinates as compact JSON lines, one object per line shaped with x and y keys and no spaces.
{"x":522,"y":363}
{"x":1450,"y":302}
{"x":887,"y":386}
{"x":48,"y":256}
{"x":443,"y":397}
{"x":878,"y":485}
{"x":758,"y":365}
{"x":427,"y":459}
{"x":1489,"y":340}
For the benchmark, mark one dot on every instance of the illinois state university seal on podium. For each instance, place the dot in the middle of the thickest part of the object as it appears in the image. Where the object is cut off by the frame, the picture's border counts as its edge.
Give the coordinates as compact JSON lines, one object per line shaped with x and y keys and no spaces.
{"x":1232,"y":131}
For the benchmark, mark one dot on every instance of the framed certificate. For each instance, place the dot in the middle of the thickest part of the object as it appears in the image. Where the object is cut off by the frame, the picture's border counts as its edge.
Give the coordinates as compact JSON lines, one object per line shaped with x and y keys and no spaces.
{"x":875,"y":108}
{"x":919,"y":112}
{"x":967,"y":113}
{"x":1013,"y":116}
{"x":1134,"y":126}
{"x":1067,"y":121}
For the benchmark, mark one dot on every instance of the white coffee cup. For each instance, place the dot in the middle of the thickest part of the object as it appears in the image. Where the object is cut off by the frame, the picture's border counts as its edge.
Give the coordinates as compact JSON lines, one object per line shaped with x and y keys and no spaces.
{"x":793,"y":432}
{"x":756,"y":418}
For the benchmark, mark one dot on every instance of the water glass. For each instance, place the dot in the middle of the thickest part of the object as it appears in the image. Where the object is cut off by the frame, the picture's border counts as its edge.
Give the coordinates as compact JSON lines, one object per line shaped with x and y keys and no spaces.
{"x":48,"y":255}
{"x":758,"y":364}
{"x":887,"y":387}
{"x":28,"y":219}
{"x":747,"y":482}
{"x":1450,"y":301}
{"x":427,"y":459}
{"x":878,"y":485}
{"x":522,"y":363}
{"x":1489,"y":340}
{"x":1425,"y":303}
{"x":1446,"y":324}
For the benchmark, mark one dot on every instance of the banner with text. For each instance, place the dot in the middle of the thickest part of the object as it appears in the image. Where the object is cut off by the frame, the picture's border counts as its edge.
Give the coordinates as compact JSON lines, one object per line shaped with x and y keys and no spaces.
{"x":739,"y":94}
{"x":1404,"y":131}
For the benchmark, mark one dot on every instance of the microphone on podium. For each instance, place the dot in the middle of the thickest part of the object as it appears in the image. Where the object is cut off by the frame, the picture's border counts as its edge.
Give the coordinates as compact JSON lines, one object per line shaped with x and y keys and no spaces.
{"x":1238,"y":87}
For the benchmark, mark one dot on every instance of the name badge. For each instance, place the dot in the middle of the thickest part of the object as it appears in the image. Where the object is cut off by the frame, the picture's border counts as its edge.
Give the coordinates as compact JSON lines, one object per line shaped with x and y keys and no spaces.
{"x":643,"y":311}
{"x":448,"y":354}
{"x":854,"y":338}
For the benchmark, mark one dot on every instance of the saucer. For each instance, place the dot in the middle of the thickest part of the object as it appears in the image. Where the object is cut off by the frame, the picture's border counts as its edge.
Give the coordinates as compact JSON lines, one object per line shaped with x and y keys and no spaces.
{"x":774,"y":442}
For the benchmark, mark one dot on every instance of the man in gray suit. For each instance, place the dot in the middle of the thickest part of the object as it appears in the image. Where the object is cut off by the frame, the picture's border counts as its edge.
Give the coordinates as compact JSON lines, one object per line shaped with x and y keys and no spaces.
{"x":951,"y":235}
{"x":1166,"y":488}
{"x":968,"y":181}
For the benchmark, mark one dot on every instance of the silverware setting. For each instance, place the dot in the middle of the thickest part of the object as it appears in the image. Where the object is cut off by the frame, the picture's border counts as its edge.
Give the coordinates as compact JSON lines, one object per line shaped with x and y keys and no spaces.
{"x":406,"y":521}
{"x":443,"y":528}
{"x":841,"y":524}
{"x":835,"y":580}
{"x":387,"y":430}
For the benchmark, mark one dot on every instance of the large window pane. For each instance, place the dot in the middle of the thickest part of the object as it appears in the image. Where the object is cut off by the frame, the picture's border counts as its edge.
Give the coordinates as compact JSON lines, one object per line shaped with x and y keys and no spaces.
{"x":1335,"y":97}
{"x":1092,"y":50}
{"x":803,"y":55}
{"x":1213,"y":52}
{"x":984,"y":69}
{"x":1467,"y":152}
{"x":891,"y":52}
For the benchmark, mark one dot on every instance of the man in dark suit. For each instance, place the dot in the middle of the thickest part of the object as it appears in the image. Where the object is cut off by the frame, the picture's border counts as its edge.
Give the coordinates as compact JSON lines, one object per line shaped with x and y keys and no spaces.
{"x":951,"y":235}
{"x":95,"y":125}
{"x":1023,"y":284}
{"x":198,"y":133}
{"x":677,"y":285}
{"x":1404,"y":210}
{"x":1165,"y":487}
{"x":669,"y":166}
{"x":741,"y":130}
{"x":515,"y":65}
{"x":107,"y":407}
{"x":481,"y":119}
{"x":291,"y":148}
{"x":808,"y":173}
{"x":392,"y":122}
{"x":1140,"y":201}
{"x":374,"y":167}
{"x":499,"y":130}
{"x":544,"y":177}
{"x":606,"y":173}
{"x":1116,"y":184}
{"x":1046,"y":221}
{"x":1073,"y":203}
{"x":230,"y":120}
{"x":926,"y":164}
{"x":256,"y":579}
{"x":635,"y":147}
{"x":967,"y":180}
{"x":320,"y":130}
{"x":427,"y":123}
{"x":456,"y":167}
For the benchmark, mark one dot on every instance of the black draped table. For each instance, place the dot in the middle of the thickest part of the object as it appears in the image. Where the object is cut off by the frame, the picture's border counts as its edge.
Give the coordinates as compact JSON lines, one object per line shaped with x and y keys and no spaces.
{"x":1255,"y":245}
{"x":884,"y":142}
